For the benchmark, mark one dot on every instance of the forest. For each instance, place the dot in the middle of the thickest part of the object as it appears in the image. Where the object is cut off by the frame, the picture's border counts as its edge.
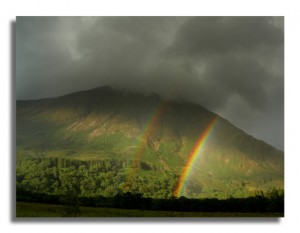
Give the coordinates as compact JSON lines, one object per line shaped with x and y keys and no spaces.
{"x":113,"y":183}
{"x":58,"y":176}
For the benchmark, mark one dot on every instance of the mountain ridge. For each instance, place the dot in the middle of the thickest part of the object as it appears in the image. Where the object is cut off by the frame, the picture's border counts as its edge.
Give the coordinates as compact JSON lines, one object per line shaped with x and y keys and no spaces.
{"x":105,"y":123}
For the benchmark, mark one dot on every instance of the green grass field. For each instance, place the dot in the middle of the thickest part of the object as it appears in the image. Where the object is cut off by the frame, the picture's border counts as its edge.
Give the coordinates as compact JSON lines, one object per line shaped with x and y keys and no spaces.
{"x":24,"y":209}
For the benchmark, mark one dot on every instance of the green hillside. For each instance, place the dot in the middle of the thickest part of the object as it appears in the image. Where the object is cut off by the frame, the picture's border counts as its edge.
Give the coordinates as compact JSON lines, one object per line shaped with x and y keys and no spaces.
{"x":107,"y":141}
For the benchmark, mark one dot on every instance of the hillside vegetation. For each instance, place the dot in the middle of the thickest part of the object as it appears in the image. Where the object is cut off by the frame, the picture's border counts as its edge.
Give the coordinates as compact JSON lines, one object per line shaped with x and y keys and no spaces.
{"x":105,"y":141}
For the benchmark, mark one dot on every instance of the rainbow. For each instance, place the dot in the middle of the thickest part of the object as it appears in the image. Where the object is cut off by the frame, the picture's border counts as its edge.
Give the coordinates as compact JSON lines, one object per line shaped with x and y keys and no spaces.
{"x":193,"y":157}
{"x":148,"y":129}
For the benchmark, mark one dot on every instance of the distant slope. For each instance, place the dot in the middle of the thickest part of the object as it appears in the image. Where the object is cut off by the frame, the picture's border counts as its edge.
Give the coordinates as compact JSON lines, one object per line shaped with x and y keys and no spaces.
{"x":104,"y":123}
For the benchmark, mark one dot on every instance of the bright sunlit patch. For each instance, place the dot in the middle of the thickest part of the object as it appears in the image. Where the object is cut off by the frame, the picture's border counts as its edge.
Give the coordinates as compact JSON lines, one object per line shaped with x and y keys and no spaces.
{"x":193,"y":157}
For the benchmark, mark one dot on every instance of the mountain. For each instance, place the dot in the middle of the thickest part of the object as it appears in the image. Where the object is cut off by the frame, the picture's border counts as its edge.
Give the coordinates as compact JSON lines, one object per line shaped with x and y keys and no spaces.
{"x":127,"y":141}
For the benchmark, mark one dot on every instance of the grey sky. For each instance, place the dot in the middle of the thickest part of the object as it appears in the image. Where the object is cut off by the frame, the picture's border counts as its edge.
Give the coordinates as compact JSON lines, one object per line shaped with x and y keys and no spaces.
{"x":233,"y":66}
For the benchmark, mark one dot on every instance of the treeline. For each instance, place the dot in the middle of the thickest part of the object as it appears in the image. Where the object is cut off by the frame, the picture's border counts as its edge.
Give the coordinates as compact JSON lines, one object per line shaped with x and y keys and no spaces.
{"x":57,"y":176}
{"x":90,"y":178}
{"x":102,"y":165}
{"x":272,"y":201}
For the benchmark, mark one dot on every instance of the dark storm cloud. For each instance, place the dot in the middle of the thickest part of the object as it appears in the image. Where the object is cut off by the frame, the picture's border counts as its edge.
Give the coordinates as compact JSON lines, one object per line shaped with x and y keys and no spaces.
{"x":231,"y":65}
{"x":42,"y":57}
{"x":219,"y":35}
{"x":235,"y":52}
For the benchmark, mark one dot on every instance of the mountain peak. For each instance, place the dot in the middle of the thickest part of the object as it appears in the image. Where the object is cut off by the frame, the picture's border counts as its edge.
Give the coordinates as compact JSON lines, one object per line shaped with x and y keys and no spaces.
{"x":110,"y":124}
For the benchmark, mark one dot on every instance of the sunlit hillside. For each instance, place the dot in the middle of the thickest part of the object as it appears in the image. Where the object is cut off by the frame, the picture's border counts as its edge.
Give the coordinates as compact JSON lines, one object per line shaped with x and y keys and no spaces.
{"x":105,"y":141}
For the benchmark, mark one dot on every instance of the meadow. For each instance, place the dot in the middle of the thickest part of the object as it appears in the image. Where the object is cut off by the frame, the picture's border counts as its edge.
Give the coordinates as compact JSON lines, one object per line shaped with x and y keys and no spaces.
{"x":40,"y":210}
